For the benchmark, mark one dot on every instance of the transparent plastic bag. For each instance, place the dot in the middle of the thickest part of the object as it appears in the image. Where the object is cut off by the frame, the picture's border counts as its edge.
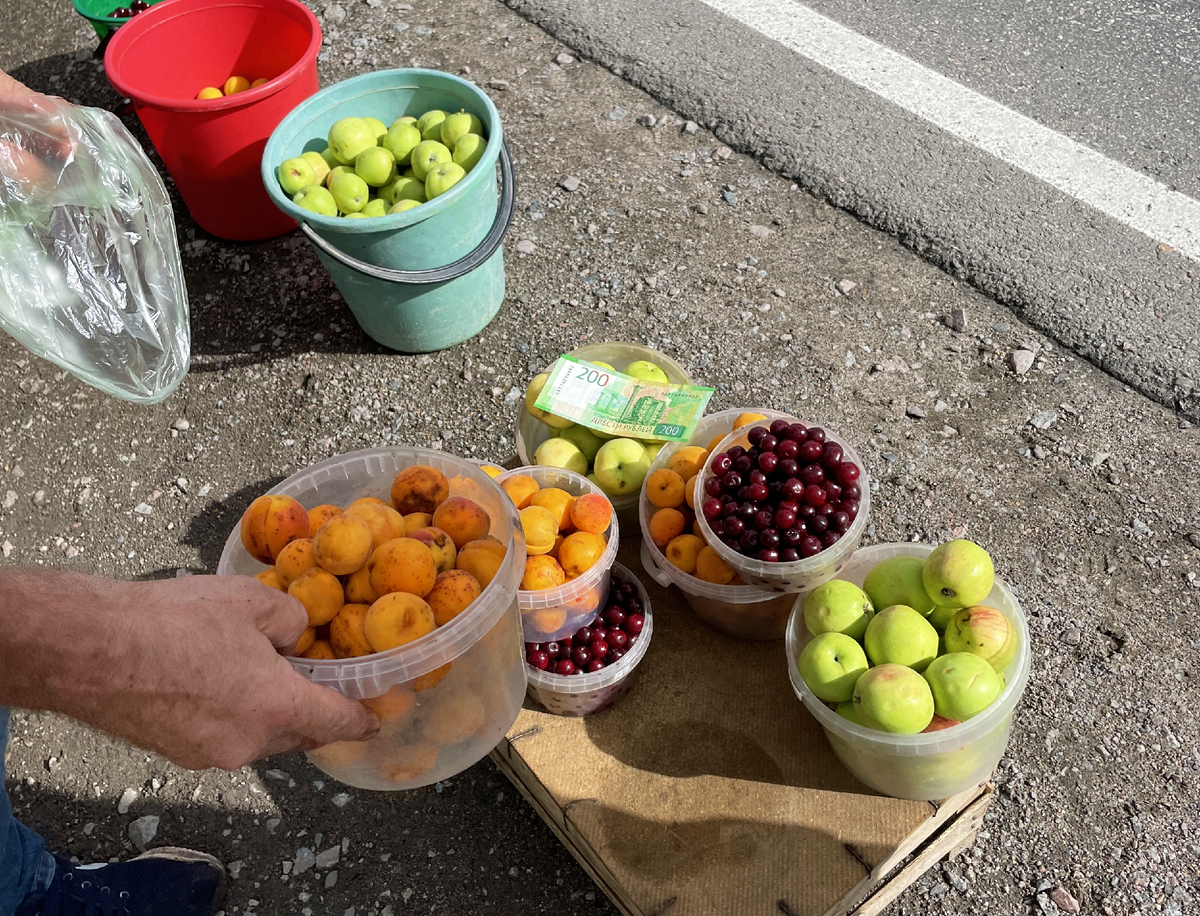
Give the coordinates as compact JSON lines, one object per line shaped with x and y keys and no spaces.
{"x":90,"y":276}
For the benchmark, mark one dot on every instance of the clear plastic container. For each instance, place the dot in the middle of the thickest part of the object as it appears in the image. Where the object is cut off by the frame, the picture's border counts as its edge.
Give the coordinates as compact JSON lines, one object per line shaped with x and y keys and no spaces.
{"x":552,"y":613}
{"x":583,"y":694}
{"x":801,"y":575}
{"x":740,"y":611}
{"x":452,"y":694}
{"x":532,"y":432}
{"x":925,"y":766}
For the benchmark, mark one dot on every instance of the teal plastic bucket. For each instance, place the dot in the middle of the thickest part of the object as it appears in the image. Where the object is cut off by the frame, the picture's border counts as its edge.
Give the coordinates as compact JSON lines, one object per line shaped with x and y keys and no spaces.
{"x":427,"y":278}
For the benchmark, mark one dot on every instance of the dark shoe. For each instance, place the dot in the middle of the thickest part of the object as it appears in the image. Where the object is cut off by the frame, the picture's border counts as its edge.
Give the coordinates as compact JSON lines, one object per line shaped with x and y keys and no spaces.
{"x":162,"y":882}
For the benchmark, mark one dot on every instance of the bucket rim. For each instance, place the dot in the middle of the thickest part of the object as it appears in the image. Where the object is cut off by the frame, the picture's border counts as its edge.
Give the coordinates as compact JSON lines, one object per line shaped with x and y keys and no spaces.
{"x":164,"y":11}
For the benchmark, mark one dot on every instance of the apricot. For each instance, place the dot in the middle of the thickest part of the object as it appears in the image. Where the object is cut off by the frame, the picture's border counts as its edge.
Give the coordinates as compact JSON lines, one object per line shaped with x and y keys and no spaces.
{"x":482,"y":559}
{"x":393,"y":704}
{"x":397,"y":619}
{"x":715,"y":441}
{"x":542,"y":572}
{"x":294,"y":559}
{"x":346,"y":634}
{"x":419,"y":488}
{"x":696,"y":530}
{"x":384,"y":521}
{"x":664,"y":488}
{"x":402,"y":565}
{"x":343,"y":545}
{"x":559,"y":502}
{"x":557,"y":546}
{"x":270,"y":578}
{"x":592,"y":513}
{"x":307,"y":638}
{"x":439,"y":544}
{"x":665,"y":525}
{"x":340,"y":754}
{"x":745,"y":419}
{"x":579,"y":552}
{"x":404,"y":764}
{"x":540,"y":530}
{"x":689,"y":461}
{"x":319,"y":515}
{"x":463,"y":519}
{"x":683,"y":551}
{"x":452,"y":594}
{"x":520,"y":489}
{"x":454,"y":719}
{"x":415,"y":520}
{"x":431,"y":679}
{"x":321,"y":594}
{"x":359,"y":589}
{"x":270,"y":523}
{"x":320,"y":649}
{"x":689,"y":492}
{"x":548,"y":620}
{"x":711,"y":568}
{"x":492,"y":471}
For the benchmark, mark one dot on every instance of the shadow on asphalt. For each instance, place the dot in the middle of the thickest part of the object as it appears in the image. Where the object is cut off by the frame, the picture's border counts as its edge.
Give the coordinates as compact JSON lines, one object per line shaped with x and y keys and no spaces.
{"x":210,"y":526}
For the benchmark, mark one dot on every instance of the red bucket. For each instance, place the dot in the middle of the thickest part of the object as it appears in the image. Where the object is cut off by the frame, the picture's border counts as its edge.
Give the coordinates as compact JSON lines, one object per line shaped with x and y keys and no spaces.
{"x":213,"y":149}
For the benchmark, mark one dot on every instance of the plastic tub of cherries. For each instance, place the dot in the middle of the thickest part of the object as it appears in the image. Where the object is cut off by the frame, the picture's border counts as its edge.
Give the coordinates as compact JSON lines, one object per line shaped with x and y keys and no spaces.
{"x":593,"y":668}
{"x":105,"y":18}
{"x":784,"y":504}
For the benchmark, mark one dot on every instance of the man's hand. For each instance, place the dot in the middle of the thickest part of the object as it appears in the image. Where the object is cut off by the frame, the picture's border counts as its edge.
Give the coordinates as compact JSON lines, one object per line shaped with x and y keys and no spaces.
{"x":186,"y":667}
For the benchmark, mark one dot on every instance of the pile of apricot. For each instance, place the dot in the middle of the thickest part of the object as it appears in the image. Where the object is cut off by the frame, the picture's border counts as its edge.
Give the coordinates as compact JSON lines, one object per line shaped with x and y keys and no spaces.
{"x":564,"y":534}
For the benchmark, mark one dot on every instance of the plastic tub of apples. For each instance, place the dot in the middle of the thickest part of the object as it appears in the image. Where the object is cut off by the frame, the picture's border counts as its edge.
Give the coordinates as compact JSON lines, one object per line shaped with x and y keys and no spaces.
{"x":571,"y":535}
{"x":784,"y":503}
{"x":593,"y":668}
{"x":418,"y":622}
{"x":948,"y":756}
{"x":712,"y":588}
{"x":623,"y":467}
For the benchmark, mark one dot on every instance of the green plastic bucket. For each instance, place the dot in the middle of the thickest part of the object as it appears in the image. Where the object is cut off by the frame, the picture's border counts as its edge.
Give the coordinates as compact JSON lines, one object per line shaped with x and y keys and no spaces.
{"x":96,"y":12}
{"x":427,"y":278}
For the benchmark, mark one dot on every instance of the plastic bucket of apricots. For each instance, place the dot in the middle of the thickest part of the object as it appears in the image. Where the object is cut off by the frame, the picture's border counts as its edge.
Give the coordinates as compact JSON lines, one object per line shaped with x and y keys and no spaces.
{"x":673,"y":553}
{"x":783,"y":502}
{"x":407,"y":562}
{"x":532,"y":432}
{"x":571,"y":534}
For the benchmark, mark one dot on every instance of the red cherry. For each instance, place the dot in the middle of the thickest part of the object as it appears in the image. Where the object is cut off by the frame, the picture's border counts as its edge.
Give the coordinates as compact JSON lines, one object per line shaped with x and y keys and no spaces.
{"x":564,"y":666}
{"x":634,"y":623}
{"x":539,"y":660}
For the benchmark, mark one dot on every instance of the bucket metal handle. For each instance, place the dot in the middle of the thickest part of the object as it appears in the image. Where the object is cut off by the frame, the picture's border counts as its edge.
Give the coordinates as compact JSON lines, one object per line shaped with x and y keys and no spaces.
{"x":454,"y":270}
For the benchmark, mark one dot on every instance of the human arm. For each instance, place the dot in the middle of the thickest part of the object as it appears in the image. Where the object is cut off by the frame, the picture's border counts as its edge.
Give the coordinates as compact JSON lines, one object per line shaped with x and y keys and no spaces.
{"x":185,"y":667}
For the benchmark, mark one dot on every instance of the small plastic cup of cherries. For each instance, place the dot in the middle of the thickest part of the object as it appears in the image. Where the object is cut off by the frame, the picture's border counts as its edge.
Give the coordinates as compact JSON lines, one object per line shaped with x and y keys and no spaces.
{"x":591,"y":669}
{"x":128,"y":12}
{"x":784,"y":503}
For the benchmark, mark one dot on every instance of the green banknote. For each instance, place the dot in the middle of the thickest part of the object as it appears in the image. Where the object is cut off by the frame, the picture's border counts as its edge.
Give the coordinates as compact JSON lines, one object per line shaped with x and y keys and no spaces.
{"x":620,"y":405}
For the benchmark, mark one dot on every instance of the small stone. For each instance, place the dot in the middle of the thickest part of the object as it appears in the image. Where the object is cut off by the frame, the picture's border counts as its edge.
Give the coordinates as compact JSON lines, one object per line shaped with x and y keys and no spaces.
{"x":400,"y":26}
{"x":1139,"y":527}
{"x":690,"y":127}
{"x":1194,"y":537}
{"x":846,"y":287}
{"x":647,"y":120}
{"x":235,"y":868}
{"x":181,"y":424}
{"x":340,"y":800}
{"x":760,"y":232}
{"x":848,"y":361}
{"x":1021,"y":360}
{"x":938,"y":890}
{"x":143,"y":508}
{"x":18,"y":472}
{"x":281,"y":775}
{"x":1064,"y":901}
{"x":702,"y":208}
{"x":143,"y":830}
{"x":1040,"y":453}
{"x":941,"y":406}
{"x":729,"y":197}
{"x":7,"y":548}
{"x":205,"y":490}
{"x":779,"y":293}
{"x":915,"y":412}
{"x":564,"y":59}
{"x":1072,"y":637}
{"x":39,"y":497}
{"x":957,"y":319}
{"x":526,"y":247}
{"x":498,"y":85}
{"x":617,"y":114}
{"x":305,"y":859}
{"x":722,"y":152}
{"x":182,"y":483}
{"x":569,"y":184}
{"x":10,"y":499}
{"x":331,"y":880}
{"x":1043,"y":419}
{"x":329,"y":857}
{"x":273,"y":825}
{"x":88,"y":828}
{"x":335,"y":14}
{"x":128,"y":797}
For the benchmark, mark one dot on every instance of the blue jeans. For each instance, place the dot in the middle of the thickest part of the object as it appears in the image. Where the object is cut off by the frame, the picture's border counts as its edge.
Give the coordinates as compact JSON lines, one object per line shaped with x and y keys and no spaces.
{"x":25,"y":866}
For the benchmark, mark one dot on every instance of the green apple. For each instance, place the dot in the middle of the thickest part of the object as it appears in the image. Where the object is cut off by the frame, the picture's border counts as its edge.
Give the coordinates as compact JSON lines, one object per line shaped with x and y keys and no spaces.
{"x":376,"y":166}
{"x":589,"y":443}
{"x":317,"y":199}
{"x":653,"y":448}
{"x":338,"y":170}
{"x":983,"y":631}
{"x":320,"y":166}
{"x":608,"y":366}
{"x":330,"y":159}
{"x":427,"y":155}
{"x":401,"y":205}
{"x":295,"y":174}
{"x":378,"y":128}
{"x":621,"y":465}
{"x":469,"y":150}
{"x":838,"y":606}
{"x":958,"y":574}
{"x":893,"y":698}
{"x":458,"y":125}
{"x":848,"y":712}
{"x":349,"y":137}
{"x":407,"y":119}
{"x":647,"y":371}
{"x":592,"y":478}
{"x":358,"y":215}
{"x":441,"y":178}
{"x":830,"y":665}
{"x":404,"y":189}
{"x":349,"y":192}
{"x":376,"y":207}
{"x":430,"y":124}
{"x":401,"y":140}
{"x":937,"y":724}
{"x":897,"y":580}
{"x":531,"y":396}
{"x":899,"y":635}
{"x":560,"y":453}
{"x":963,"y":685}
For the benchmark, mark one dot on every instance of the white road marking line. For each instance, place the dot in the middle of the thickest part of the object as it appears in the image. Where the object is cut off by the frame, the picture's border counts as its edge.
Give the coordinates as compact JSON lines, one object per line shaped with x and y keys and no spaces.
{"x":1091,"y":177}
